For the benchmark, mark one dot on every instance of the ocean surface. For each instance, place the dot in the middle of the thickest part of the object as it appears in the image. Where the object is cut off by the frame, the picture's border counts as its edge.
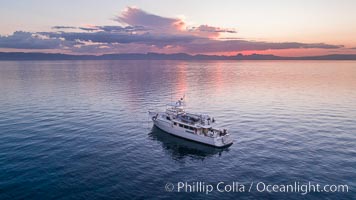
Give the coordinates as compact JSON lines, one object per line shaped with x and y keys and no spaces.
{"x":80,"y":129}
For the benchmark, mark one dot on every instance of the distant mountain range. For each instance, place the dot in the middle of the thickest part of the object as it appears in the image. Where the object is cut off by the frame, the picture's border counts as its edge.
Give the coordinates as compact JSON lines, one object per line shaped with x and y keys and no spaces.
{"x":158,"y":56}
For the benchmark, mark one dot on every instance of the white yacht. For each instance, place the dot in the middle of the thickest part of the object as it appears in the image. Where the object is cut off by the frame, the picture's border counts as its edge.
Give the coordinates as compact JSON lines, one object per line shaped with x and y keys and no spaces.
{"x":197,"y":127}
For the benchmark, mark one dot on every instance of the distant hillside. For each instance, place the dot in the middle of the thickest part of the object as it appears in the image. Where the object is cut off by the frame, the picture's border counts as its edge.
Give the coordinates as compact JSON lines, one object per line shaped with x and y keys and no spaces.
{"x":157,"y":56}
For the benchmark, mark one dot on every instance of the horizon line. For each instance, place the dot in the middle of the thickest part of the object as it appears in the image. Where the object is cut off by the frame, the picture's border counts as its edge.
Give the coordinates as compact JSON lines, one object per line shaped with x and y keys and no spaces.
{"x":163,"y":56}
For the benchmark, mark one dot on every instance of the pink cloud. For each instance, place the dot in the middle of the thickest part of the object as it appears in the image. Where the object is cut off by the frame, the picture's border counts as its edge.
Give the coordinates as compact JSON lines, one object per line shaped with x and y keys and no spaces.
{"x":137,"y":17}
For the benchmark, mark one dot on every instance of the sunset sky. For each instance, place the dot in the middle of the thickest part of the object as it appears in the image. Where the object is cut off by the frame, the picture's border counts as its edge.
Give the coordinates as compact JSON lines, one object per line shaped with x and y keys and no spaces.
{"x":287,"y":28}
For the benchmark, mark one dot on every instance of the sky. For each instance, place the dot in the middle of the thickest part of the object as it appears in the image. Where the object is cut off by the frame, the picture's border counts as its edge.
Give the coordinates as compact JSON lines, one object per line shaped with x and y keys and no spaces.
{"x":229,"y":27}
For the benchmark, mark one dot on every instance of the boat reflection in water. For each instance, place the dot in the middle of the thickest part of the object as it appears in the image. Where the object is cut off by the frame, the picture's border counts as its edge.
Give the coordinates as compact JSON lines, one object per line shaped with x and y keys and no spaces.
{"x":181,"y":148}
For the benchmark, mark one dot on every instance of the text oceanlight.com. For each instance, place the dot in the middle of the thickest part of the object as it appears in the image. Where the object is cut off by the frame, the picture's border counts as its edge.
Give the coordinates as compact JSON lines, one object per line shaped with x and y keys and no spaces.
{"x":295,"y":187}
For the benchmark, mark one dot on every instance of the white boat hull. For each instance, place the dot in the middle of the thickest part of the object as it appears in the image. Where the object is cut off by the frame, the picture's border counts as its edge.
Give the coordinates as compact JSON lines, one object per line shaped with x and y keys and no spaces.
{"x":168,"y":127}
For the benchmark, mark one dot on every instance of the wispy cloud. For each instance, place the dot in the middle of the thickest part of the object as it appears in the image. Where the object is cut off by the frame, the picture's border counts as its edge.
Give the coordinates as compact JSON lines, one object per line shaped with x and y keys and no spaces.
{"x":64,"y":27}
{"x":140,"y":32}
{"x":207,"y":28}
{"x":209,"y":31}
{"x":128,"y":29}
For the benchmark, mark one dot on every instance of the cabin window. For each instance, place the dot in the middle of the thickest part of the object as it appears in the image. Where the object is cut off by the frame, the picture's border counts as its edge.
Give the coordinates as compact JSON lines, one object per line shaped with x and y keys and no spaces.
{"x":181,"y":125}
{"x":168,"y":118}
{"x":191,"y":128}
{"x":175,"y":123}
{"x":186,"y":127}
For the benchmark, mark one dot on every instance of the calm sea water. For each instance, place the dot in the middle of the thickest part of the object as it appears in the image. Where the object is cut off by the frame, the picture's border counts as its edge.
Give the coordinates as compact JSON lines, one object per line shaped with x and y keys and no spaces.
{"x":80,"y":130}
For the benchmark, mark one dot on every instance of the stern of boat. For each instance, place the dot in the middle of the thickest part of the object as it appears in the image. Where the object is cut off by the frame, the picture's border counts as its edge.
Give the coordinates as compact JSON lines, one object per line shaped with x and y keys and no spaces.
{"x":223,"y":141}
